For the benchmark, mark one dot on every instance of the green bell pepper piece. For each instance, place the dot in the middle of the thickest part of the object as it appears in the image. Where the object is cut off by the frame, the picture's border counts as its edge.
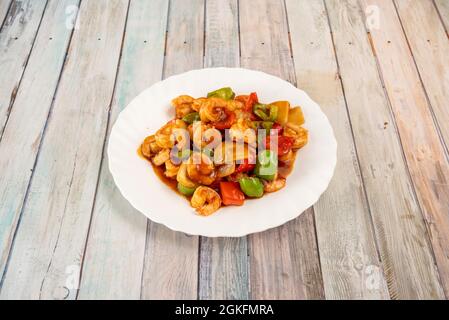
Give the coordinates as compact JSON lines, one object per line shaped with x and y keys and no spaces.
{"x":251,"y":186}
{"x":266,"y":112}
{"x":273,"y":112}
{"x":266,"y":165}
{"x":224,"y":93}
{"x":191,"y":117}
{"x":261,"y":114}
{"x":185,"y":190}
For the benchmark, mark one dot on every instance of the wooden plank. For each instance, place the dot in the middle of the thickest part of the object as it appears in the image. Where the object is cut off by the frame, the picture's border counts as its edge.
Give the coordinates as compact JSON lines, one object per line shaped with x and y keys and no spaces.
{"x":424,"y":153}
{"x":16,"y":40}
{"x":4,"y":7}
{"x":344,"y":230}
{"x":223,"y":261}
{"x":116,"y":246}
{"x":284,"y":261}
{"x":22,"y":135}
{"x":171,"y":260}
{"x":400,"y":231}
{"x":50,"y":241}
{"x":443,"y":9}
{"x":430,"y":48}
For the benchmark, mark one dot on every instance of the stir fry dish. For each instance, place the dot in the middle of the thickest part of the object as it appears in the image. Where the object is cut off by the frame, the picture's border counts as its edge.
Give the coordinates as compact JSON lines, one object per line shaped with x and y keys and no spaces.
{"x":223,"y":149}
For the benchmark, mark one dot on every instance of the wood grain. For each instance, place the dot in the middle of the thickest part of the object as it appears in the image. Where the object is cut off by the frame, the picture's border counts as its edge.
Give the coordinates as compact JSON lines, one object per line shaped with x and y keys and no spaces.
{"x":16,"y":40}
{"x":423,"y":150}
{"x":399,"y":228}
{"x":50,"y":242}
{"x":22,"y":135}
{"x":430,"y":47}
{"x":116,"y":246}
{"x":284,"y":261}
{"x":223,"y":269}
{"x":344,"y":230}
{"x":443,"y":9}
{"x":4,"y":6}
{"x":171,"y":260}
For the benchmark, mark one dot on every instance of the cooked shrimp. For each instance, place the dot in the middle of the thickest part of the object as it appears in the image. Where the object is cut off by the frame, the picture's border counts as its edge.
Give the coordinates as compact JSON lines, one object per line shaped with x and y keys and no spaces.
{"x":162,"y":156}
{"x":205,"y":200}
{"x":204,"y":135}
{"x":182,"y":177}
{"x":213,"y":109}
{"x":171,"y":170}
{"x":242,"y":130}
{"x":164,"y":136}
{"x":226,"y":170}
{"x":201,"y":169}
{"x":274,"y":185}
{"x":183,"y":105}
{"x":298,"y":133}
{"x":145,"y":148}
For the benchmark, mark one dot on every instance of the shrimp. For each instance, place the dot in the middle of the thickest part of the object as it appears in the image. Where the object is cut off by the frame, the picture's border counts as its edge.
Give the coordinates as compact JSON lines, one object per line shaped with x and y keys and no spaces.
{"x":183,"y":105}
{"x":204,"y":135}
{"x":162,"y":156}
{"x":201,"y":169}
{"x":149,"y":147}
{"x":205,"y":200}
{"x":274,"y":185}
{"x":242,"y":130}
{"x":213,"y":109}
{"x":298,"y":133}
{"x":165,"y":136}
{"x":171,"y":170}
{"x":182,"y":177}
{"x":226,"y":169}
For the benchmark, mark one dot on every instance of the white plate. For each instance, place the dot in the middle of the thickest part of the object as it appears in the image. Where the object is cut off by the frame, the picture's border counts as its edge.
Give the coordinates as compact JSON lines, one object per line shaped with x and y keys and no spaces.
{"x":151,"y":109}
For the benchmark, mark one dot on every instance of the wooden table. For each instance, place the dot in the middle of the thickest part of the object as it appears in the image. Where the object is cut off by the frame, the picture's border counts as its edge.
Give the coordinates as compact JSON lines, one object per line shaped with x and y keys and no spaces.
{"x":378,"y":68}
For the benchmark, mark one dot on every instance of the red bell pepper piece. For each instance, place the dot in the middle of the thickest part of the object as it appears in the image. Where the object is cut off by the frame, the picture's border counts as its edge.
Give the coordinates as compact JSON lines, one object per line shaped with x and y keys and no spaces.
{"x":252,"y":100}
{"x":227,"y":122}
{"x":231,"y":193}
{"x":245,"y":167}
{"x":284,"y":144}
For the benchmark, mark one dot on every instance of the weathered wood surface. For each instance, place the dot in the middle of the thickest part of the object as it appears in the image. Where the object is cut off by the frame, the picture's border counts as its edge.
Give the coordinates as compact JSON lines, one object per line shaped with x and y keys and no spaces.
{"x":348,"y":255}
{"x":423,"y":150}
{"x":380,"y":231}
{"x":443,"y":9}
{"x":4,"y":7}
{"x":283,"y":261}
{"x":16,"y":40}
{"x":117,"y":230}
{"x":399,"y":227}
{"x":171,"y":259}
{"x":49,"y":245}
{"x":430,"y":47}
{"x":23,"y":134}
{"x":223,"y":272}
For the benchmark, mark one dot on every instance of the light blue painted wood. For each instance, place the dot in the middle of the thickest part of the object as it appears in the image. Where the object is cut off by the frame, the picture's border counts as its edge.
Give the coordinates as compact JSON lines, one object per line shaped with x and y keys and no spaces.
{"x":50,"y":241}
{"x":16,"y":40}
{"x":21,"y":139}
{"x":113,"y":264}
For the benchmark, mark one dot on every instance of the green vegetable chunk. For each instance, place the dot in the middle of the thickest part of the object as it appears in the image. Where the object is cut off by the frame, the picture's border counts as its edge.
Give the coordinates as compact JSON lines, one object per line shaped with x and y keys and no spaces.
{"x":224,"y":93}
{"x":252,"y":187}
{"x":191,"y":117}
{"x":185,"y":190}
{"x":267,"y":165}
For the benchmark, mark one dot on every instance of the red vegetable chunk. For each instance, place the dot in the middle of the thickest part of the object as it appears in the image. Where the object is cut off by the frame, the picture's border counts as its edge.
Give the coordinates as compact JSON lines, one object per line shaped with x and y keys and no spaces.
{"x":231,"y":194}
